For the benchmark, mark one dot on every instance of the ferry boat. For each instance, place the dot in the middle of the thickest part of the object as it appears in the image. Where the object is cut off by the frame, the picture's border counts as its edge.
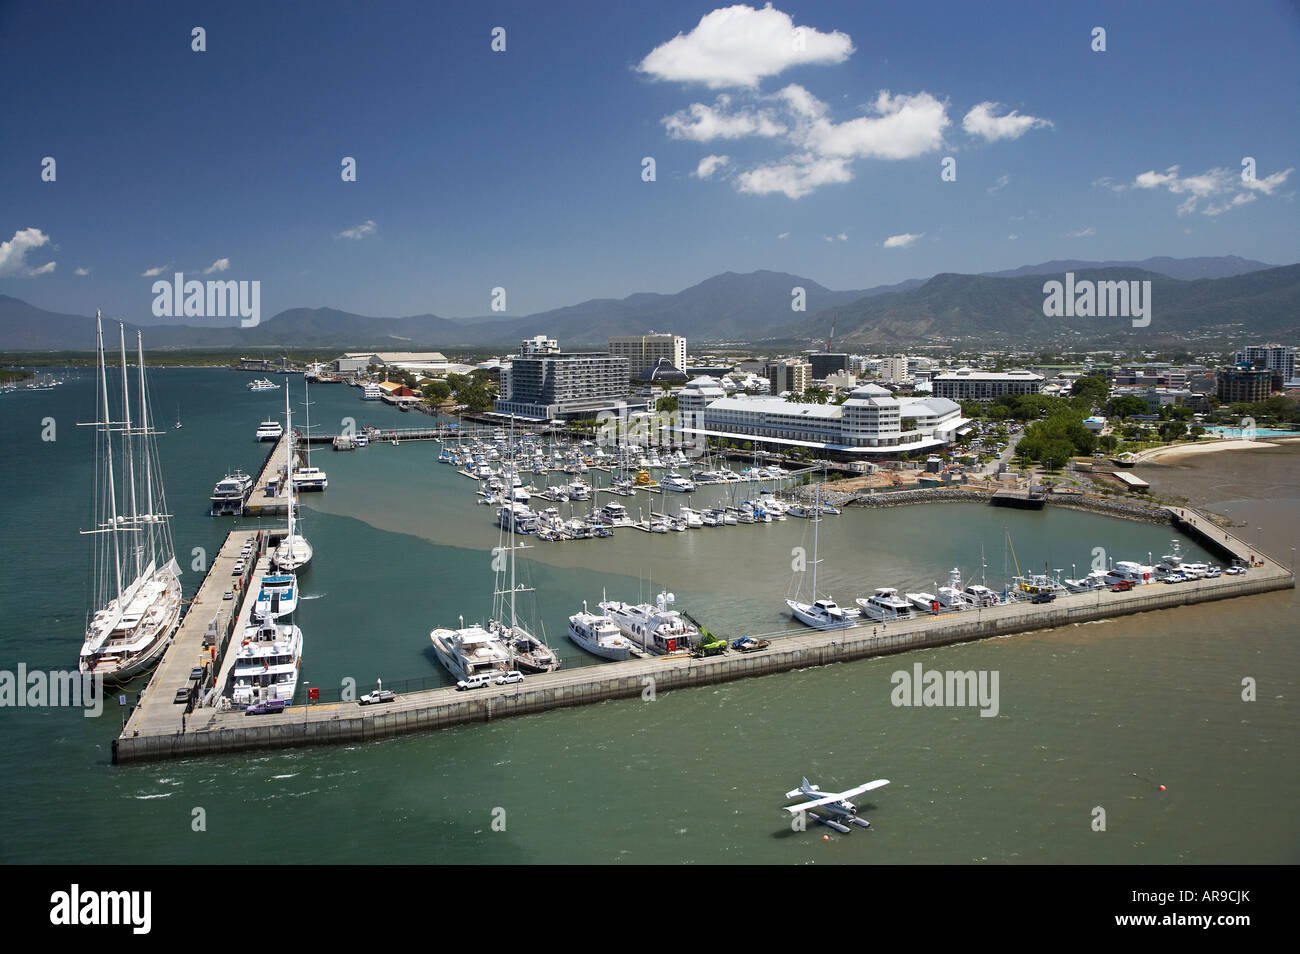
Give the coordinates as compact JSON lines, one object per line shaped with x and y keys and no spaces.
{"x":135,"y":577}
{"x":263,"y":384}
{"x":270,"y":431}
{"x":656,"y":628}
{"x":278,"y":596}
{"x":371,"y":392}
{"x":886,"y":606}
{"x":231,"y":492}
{"x":266,"y":668}
{"x":599,"y":635}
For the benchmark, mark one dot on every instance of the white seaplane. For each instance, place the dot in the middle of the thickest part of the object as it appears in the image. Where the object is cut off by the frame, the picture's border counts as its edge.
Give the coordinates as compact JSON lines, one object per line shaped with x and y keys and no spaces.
{"x":837,"y":804}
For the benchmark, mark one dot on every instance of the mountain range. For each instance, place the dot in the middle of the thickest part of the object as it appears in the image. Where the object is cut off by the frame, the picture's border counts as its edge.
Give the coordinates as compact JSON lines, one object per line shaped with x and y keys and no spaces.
{"x":1227,"y":295}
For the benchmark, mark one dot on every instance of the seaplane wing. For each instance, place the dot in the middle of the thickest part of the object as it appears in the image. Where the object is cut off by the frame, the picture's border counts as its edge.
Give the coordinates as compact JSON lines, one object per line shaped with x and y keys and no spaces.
{"x":826,"y":798}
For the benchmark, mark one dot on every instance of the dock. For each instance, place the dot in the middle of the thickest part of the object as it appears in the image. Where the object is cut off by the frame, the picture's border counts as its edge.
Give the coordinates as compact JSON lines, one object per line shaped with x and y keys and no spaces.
{"x":261,"y":502}
{"x":154,"y":730}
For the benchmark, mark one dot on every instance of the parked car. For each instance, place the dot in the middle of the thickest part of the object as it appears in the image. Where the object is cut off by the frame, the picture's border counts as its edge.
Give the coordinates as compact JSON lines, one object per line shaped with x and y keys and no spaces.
{"x":1042,"y":597}
{"x":478,"y":681}
{"x":1235,"y":570}
{"x":1122,"y":586}
{"x":506,"y":678}
{"x":263,"y":708}
{"x":379,"y":695}
{"x":182,"y":695}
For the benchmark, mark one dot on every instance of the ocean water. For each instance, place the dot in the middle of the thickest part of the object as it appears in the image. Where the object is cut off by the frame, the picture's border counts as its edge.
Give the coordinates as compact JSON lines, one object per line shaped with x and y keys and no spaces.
{"x":1089,"y":716}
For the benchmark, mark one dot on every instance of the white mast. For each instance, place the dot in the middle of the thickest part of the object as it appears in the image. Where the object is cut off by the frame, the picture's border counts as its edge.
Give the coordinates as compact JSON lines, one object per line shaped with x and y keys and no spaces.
{"x":108,"y":447}
{"x":288,"y":464}
{"x":817,"y":518}
{"x":129,"y":451}
{"x":150,"y":517}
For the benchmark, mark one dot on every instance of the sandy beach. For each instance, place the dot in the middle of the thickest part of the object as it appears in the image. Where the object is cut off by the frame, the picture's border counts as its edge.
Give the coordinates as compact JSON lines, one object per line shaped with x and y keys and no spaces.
{"x":1167,"y":455}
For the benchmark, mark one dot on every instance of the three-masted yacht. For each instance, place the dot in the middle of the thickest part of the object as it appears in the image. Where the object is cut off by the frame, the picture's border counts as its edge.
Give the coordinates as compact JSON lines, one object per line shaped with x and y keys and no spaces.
{"x":136,"y":581}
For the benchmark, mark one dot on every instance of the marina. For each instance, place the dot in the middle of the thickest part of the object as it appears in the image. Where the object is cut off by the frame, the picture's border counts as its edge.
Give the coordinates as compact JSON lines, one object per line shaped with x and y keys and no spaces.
{"x":153,"y":730}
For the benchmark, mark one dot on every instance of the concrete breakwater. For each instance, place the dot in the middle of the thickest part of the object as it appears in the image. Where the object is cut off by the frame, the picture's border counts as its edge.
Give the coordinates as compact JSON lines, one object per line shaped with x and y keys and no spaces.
{"x":1125,"y":509}
{"x":215,"y":732}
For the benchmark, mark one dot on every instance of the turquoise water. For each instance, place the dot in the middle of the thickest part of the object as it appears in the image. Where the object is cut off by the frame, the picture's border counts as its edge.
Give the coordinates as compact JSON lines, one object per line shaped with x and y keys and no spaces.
{"x":1258,"y":432}
{"x":694,"y":776}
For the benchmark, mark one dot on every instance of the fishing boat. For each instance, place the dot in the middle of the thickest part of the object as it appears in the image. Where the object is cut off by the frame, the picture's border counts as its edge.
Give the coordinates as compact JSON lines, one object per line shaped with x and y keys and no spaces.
{"x":136,"y":578}
{"x":822,"y":613}
{"x":599,"y":635}
{"x":294,"y":552}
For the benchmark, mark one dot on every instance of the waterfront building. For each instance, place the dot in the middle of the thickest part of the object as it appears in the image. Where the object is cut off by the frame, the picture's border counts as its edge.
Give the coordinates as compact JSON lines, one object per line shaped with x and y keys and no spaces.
{"x":969,"y":384}
{"x":548,"y":385}
{"x":1244,"y":384}
{"x":788,"y":375}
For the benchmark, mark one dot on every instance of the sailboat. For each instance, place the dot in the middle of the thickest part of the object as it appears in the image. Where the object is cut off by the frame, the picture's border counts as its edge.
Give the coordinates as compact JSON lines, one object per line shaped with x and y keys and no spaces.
{"x":294,"y":552}
{"x":308,"y":477}
{"x":178,"y":417}
{"x":136,"y":577}
{"x":822,"y":614}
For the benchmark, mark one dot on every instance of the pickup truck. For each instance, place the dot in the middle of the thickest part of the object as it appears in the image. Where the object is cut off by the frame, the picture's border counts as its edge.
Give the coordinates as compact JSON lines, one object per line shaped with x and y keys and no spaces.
{"x":1042,"y":597}
{"x":1123,"y":586}
{"x":379,"y":695}
{"x":263,"y":708}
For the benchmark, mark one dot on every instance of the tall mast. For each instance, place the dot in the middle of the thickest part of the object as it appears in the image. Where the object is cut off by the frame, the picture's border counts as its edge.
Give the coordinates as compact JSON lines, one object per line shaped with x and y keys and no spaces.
{"x":306,"y":403}
{"x":129,"y":451}
{"x":510,"y":491}
{"x":108,"y":447}
{"x":288,"y":462}
{"x":817,"y":519}
{"x":151,"y":517}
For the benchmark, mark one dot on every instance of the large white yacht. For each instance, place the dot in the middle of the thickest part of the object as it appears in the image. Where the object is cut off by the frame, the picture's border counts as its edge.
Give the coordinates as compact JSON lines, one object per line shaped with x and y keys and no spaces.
{"x":136,"y":578}
{"x":886,"y":605}
{"x":654,"y":627}
{"x":471,"y":650}
{"x":270,"y":431}
{"x":599,"y":635}
{"x":676,"y":482}
{"x":266,"y":668}
{"x":231,"y":492}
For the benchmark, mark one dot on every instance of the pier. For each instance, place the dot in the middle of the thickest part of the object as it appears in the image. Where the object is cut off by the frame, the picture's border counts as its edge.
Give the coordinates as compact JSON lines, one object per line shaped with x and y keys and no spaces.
{"x":261,"y":502}
{"x":154,"y":730}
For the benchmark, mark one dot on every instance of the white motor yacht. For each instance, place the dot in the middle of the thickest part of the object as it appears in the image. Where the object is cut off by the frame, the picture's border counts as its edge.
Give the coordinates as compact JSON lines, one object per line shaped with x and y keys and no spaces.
{"x":599,"y":635}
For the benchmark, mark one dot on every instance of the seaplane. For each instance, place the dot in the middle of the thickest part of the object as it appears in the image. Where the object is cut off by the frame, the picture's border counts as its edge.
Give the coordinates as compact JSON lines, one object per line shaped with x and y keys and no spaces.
{"x":837,"y":805}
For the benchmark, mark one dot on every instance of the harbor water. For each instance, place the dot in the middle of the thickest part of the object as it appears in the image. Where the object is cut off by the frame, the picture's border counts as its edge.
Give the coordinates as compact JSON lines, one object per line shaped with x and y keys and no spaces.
{"x":1089,"y":716}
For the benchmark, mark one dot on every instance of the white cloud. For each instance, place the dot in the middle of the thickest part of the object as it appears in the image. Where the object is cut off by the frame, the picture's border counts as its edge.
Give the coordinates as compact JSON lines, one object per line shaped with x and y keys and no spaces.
{"x":709,"y":165}
{"x":1012,"y":237}
{"x":361,"y":231}
{"x":906,"y":240}
{"x":1083,"y":233}
{"x":1106,"y":182}
{"x":701,"y":123}
{"x":220,"y":265}
{"x":981,"y":121}
{"x":795,"y":176}
{"x":739,"y":45}
{"x":998,"y":186}
{"x":784,"y":235}
{"x":1213,"y":182}
{"x":82,"y":271}
{"x":1269,"y":183}
{"x":13,"y":253}
{"x":904,"y":127}
{"x":154,"y":272}
{"x":842,"y":237}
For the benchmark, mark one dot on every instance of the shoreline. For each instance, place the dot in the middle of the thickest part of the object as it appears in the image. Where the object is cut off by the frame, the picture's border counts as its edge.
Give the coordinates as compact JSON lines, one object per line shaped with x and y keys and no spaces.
{"x":1124,"y":509}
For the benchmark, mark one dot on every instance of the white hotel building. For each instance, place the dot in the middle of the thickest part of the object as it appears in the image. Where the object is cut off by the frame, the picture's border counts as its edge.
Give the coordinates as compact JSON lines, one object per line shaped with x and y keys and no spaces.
{"x":872,"y":422}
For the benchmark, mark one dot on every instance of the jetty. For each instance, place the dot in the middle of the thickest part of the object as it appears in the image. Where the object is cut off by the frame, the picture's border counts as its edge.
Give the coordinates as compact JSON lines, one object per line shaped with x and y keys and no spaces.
{"x":269,"y":495}
{"x":155,"y":729}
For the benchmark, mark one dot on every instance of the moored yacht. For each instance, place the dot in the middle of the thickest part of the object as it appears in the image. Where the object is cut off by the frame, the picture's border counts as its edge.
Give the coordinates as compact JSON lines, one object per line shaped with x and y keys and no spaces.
{"x":230,"y":494}
{"x":136,"y":581}
{"x":471,"y":650}
{"x":309,"y":479}
{"x":886,"y":605}
{"x":655,"y":628}
{"x":925,"y":602}
{"x":599,"y":635}
{"x":677,"y":483}
{"x":278,"y":596}
{"x":270,"y":431}
{"x":266,"y":668}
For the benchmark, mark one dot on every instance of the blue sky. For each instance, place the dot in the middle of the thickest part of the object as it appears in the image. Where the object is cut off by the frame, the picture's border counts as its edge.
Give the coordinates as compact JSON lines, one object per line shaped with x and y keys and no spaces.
{"x":523,"y":168}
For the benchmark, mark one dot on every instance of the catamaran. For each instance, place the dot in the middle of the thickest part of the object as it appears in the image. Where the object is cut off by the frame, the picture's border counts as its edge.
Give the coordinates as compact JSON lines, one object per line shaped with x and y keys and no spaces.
{"x":307,"y":477}
{"x":136,"y":577}
{"x":821,"y":614}
{"x":294,"y":552}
